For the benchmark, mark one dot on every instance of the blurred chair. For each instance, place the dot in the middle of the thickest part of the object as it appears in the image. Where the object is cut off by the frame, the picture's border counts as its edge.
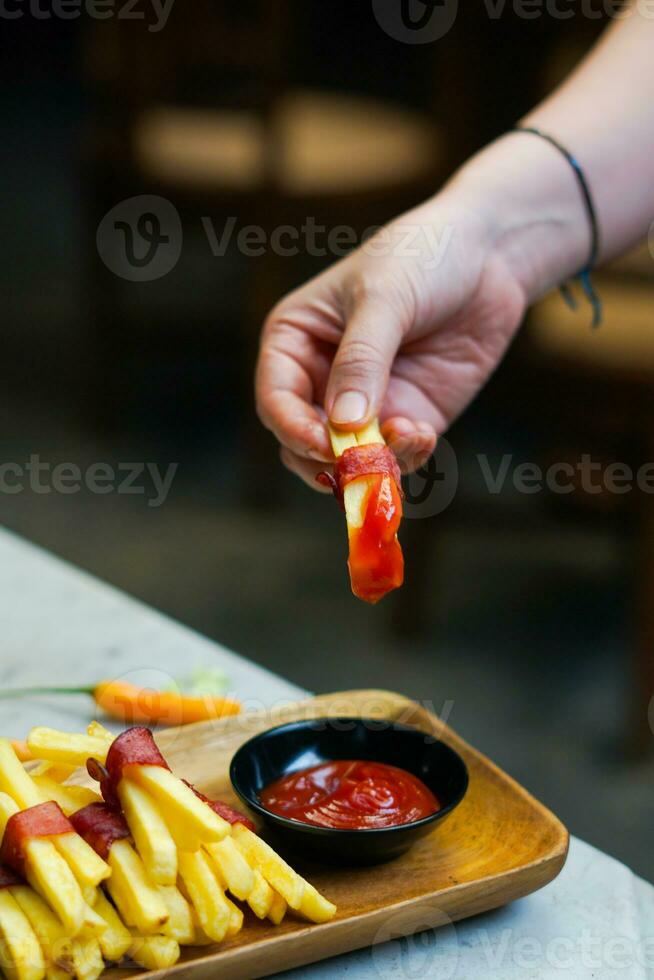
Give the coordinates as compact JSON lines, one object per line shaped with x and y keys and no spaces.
{"x":598,"y":387}
{"x":206,"y":114}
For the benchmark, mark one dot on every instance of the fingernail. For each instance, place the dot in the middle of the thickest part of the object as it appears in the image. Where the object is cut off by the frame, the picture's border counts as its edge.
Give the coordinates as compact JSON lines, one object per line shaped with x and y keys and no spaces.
{"x":350,"y":406}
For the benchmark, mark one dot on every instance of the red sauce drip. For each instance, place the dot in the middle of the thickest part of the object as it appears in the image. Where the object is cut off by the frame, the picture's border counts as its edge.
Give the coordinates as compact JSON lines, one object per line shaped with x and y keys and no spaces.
{"x":134,"y":747}
{"x":43,"y":820}
{"x":224,"y":810}
{"x":8,"y":878}
{"x":100,"y":826}
{"x":376,"y":562}
{"x":351,"y":795}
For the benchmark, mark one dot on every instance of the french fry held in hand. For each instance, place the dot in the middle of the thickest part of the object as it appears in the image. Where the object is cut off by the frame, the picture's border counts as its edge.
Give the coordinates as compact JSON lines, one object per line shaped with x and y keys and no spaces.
{"x":367,"y":483}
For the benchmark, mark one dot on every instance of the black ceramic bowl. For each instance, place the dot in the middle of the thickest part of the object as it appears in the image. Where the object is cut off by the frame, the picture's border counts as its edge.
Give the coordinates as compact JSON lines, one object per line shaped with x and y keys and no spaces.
{"x":300,"y":744}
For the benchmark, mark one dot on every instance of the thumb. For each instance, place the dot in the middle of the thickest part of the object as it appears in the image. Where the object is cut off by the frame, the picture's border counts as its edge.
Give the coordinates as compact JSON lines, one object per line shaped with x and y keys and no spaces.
{"x":361,"y":368}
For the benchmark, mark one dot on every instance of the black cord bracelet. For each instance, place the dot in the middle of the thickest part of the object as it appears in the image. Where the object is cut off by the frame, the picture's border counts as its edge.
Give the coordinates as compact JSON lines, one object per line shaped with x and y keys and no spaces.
{"x":584,"y":275}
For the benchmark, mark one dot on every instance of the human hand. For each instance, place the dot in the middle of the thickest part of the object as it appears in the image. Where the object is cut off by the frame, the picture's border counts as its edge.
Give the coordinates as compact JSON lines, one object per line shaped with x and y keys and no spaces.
{"x":410,"y":338}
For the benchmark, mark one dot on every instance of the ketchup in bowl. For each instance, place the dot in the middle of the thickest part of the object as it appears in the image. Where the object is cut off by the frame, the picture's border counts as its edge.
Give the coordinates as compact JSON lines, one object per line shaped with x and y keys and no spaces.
{"x":350,"y":795}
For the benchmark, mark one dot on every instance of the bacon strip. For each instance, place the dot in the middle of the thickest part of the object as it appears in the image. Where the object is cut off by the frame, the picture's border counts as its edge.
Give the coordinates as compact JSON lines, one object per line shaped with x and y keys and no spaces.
{"x":224,"y":810}
{"x":100,"y":826}
{"x":134,"y":747}
{"x":361,"y":461}
{"x":43,"y":820}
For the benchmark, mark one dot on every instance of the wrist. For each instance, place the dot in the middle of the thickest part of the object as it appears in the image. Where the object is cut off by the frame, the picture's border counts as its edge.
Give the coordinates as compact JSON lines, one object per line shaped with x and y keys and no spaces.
{"x":528,"y":199}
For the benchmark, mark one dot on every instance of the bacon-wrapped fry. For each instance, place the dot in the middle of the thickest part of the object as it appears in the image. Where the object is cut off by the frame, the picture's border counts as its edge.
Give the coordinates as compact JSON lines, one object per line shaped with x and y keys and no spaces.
{"x":37,"y":859}
{"x":366,"y":482}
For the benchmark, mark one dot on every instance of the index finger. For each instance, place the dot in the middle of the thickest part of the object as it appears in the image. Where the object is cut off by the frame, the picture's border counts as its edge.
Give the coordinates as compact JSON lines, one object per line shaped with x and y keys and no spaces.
{"x":285,"y":393}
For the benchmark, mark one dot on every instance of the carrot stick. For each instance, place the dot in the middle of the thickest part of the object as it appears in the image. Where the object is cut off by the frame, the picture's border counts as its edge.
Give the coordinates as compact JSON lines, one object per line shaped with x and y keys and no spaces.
{"x":136,"y":704}
{"x":139,"y":705}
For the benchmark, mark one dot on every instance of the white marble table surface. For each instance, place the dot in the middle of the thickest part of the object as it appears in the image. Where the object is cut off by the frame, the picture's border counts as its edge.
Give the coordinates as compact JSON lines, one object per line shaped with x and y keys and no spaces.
{"x":60,"y":626}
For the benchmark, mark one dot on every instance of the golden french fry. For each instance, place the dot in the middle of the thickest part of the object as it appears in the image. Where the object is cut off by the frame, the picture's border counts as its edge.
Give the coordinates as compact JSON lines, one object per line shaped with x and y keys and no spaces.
{"x":180,"y":915}
{"x":20,"y":952}
{"x":87,"y":866}
{"x":190,"y":820}
{"x":7,"y":809}
{"x":53,"y":770}
{"x":152,"y":838}
{"x":235,"y":919}
{"x":14,"y":780}
{"x":131,"y":889}
{"x":96,"y":730}
{"x":205,"y":893}
{"x":262,"y":896}
{"x":315,"y":906}
{"x":122,"y":900}
{"x":185,"y":814}
{"x":200,"y":937}
{"x":81,"y":796}
{"x":278,"y":909}
{"x":116,"y":939}
{"x":69,"y":798}
{"x":74,"y":750}
{"x":94,"y":924}
{"x":54,"y":972}
{"x":87,"y":958}
{"x":154,"y":952}
{"x":50,"y":876}
{"x":235,"y":873}
{"x":56,"y":946}
{"x":274,"y":869}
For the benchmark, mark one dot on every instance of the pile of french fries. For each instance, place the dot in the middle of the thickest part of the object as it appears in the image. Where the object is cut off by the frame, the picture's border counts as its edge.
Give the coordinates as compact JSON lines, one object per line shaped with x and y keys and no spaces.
{"x":184,"y":876}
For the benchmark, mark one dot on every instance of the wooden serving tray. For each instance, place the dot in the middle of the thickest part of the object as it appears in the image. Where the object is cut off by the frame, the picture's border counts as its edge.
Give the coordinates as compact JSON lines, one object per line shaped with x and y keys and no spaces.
{"x":498,"y":845}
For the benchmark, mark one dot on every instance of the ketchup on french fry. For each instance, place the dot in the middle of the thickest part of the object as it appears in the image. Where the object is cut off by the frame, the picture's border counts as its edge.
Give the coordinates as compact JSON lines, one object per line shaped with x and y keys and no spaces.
{"x":375,"y":561}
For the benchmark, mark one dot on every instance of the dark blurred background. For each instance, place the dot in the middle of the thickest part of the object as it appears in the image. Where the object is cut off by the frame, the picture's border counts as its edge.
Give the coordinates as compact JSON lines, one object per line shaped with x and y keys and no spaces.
{"x":526,"y":616}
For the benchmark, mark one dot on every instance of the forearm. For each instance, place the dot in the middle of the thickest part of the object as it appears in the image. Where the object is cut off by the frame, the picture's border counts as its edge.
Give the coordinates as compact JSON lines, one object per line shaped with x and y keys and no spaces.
{"x":527,"y":191}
